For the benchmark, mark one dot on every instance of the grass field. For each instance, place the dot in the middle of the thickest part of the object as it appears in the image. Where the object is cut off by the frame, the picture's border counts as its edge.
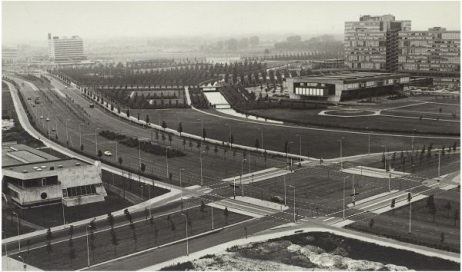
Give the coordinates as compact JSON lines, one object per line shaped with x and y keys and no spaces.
{"x":147,"y":236}
{"x":426,"y":230}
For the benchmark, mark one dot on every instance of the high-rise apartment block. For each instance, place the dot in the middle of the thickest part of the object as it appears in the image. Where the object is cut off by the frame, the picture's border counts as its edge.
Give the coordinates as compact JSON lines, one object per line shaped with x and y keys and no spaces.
{"x":380,"y":43}
{"x":370,"y":43}
{"x":65,"y":49}
{"x":434,"y":53}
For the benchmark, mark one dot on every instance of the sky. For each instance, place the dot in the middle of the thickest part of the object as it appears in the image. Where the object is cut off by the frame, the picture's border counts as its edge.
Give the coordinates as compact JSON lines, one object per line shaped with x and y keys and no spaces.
{"x":24,"y":22}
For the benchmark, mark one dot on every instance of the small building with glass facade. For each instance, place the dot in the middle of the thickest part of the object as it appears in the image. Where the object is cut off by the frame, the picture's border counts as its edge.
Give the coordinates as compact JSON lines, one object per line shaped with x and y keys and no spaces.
{"x":34,"y":178}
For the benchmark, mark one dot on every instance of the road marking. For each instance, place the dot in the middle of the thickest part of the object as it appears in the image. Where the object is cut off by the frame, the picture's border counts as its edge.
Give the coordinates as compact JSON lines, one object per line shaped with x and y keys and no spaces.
{"x":328,"y":218}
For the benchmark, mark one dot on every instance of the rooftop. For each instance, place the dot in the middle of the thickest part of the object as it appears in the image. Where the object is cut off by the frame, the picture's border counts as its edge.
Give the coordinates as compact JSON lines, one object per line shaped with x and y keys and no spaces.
{"x":348,"y":75}
{"x":20,"y":154}
{"x":45,"y":166}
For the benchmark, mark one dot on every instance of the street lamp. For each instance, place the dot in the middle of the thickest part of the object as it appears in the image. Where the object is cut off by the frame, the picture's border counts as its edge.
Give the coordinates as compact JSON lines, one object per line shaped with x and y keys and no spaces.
{"x":385,"y":157}
{"x":229,"y":137}
{"x":67,"y":132}
{"x":300,"y":137}
{"x":261,"y":137}
{"x":62,"y":204}
{"x":80,"y":132}
{"x":285,"y":194}
{"x":369,"y":141}
{"x":88,"y":249}
{"x":181,"y":170}
{"x":295,"y":219}
{"x":48,"y":126}
{"x":344,"y":196}
{"x":166,"y":157}
{"x":413,"y":133}
{"x":187,"y":241}
{"x":19,"y":240}
{"x":341,"y":150}
{"x":439,"y":164}
{"x":242,"y":173}
{"x":200,"y":158}
{"x":202,"y":127}
{"x":23,"y":263}
{"x":96,"y":142}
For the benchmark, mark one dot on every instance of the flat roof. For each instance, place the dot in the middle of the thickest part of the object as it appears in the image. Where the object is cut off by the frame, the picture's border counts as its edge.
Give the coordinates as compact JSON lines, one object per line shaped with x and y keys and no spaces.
{"x":45,"y":166}
{"x":21,"y":154}
{"x":352,"y":76}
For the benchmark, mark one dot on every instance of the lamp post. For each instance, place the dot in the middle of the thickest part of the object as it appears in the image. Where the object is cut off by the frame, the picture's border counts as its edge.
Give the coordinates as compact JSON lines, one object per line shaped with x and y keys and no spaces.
{"x":262,"y":147}
{"x":344,"y":196}
{"x":62,"y":204}
{"x":242,"y":173}
{"x":96,"y":141}
{"x":23,"y":264}
{"x":80,"y":133}
{"x":187,"y":241}
{"x":166,"y":157}
{"x":412,"y":145}
{"x":139,"y":152}
{"x":300,"y":139}
{"x":67,"y":133}
{"x":212,"y":218}
{"x":19,"y":240}
{"x":389,"y":182}
{"x":88,"y":249}
{"x":48,"y":126}
{"x":200,"y":158}
{"x":295,"y":219}
{"x":369,"y":142}
{"x":285,"y":194}
{"x":439,"y":164}
{"x":341,"y":150}
{"x":229,"y":137}
{"x":385,"y":157}
{"x":202,"y":127}
{"x":181,"y":170}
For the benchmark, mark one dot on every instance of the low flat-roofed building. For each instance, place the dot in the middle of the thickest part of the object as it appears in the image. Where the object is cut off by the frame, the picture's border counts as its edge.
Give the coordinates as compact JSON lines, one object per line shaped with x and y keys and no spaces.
{"x":35,"y":178}
{"x":341,"y":86}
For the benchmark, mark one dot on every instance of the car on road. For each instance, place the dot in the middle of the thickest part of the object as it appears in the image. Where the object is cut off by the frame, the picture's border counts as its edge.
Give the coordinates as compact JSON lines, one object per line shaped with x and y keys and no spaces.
{"x":107,"y":153}
{"x":277,"y":199}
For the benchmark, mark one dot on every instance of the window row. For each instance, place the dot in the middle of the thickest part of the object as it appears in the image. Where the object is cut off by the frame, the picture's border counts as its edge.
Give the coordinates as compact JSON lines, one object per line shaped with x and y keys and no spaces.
{"x":80,"y":191}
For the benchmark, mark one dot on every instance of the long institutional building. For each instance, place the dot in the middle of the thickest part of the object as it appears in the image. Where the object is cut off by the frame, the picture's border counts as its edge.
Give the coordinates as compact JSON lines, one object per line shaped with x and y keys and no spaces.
{"x":65,"y":50}
{"x":381,"y":43}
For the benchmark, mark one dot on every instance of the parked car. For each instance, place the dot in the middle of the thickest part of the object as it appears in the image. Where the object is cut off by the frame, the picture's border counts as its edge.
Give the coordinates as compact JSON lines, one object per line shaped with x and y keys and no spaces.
{"x":107,"y":153}
{"x":277,"y":199}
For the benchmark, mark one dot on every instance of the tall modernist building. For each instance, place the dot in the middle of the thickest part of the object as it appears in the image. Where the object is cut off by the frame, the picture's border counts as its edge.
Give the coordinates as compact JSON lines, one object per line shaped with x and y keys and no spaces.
{"x":380,"y":43}
{"x":65,"y":49}
{"x":434,"y":53}
{"x":370,"y":43}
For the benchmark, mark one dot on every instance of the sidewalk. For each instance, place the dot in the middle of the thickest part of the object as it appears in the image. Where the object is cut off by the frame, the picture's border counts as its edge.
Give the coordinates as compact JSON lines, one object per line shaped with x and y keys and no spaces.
{"x":10,"y":264}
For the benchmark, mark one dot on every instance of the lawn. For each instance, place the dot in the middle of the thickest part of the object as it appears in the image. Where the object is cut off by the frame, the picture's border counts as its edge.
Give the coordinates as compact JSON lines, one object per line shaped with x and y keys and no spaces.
{"x":372,"y":123}
{"x":426,"y":229}
{"x":147,"y":236}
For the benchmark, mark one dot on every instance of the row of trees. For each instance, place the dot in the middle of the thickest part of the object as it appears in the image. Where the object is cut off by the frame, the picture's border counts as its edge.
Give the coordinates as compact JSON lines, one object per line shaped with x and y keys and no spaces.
{"x":144,"y":145}
{"x":178,"y":76}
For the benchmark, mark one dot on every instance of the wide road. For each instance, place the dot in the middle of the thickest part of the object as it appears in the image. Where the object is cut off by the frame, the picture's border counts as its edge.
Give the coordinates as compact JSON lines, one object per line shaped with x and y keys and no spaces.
{"x":173,"y":251}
